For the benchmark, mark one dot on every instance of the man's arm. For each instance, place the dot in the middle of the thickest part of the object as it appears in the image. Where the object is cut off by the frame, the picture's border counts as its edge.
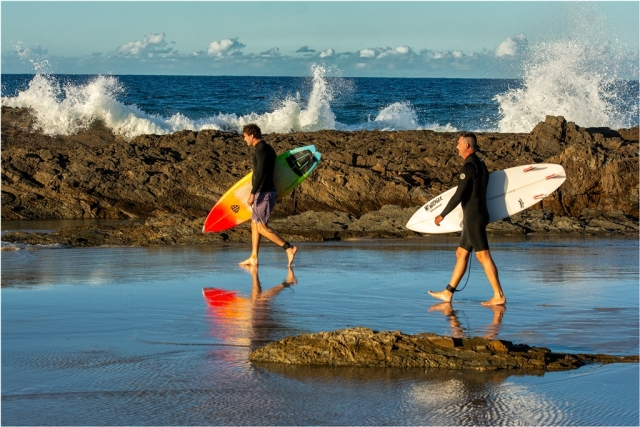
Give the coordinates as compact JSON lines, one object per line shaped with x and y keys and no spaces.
{"x":467,"y":174}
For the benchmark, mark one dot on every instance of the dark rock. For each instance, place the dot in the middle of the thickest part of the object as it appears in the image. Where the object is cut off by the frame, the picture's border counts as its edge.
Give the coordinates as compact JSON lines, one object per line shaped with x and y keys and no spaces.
{"x":367,"y":184}
{"x":171,"y":230}
{"x":630,"y":134}
{"x":367,"y":348}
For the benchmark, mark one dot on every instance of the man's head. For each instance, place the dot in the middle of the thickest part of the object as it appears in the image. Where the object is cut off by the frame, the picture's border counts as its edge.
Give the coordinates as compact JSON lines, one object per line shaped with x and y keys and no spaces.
{"x":252,"y":134}
{"x":467,"y":144}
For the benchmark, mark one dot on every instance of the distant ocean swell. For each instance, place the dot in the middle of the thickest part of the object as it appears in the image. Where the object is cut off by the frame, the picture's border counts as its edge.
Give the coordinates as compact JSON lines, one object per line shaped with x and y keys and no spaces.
{"x":557,"y":81}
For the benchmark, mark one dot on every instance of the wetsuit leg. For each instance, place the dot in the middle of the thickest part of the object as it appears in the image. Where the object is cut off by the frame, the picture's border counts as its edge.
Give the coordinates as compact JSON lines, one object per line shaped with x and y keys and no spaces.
{"x":476,"y":232}
{"x":465,"y":241}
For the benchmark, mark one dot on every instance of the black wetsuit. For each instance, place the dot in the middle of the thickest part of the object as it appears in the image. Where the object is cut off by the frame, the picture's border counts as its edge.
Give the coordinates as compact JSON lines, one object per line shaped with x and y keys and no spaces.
{"x":264,"y":161}
{"x":472,"y":193}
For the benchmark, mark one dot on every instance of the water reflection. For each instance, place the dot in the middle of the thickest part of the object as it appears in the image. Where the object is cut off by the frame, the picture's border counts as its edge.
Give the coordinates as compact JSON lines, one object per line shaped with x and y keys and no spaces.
{"x":432,"y":396}
{"x":485,"y":399}
{"x":458,"y":331}
{"x":245,"y":321}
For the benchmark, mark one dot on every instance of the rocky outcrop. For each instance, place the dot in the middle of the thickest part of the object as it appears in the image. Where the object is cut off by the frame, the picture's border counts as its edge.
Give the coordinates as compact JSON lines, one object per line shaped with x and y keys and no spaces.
{"x":367,"y":183}
{"x":365,"y":347}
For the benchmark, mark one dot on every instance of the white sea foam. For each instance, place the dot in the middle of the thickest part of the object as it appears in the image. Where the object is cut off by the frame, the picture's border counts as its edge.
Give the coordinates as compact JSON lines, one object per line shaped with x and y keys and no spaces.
{"x":399,"y":116}
{"x":66,"y":108}
{"x":571,"y":79}
{"x":290,"y":114}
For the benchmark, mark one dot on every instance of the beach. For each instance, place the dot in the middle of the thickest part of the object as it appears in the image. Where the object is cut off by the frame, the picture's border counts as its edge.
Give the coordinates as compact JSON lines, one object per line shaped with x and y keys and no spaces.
{"x":124,"y":336}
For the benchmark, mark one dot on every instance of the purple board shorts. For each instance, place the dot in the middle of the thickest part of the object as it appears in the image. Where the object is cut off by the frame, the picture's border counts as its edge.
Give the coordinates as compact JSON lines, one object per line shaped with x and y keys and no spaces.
{"x":263,"y":203}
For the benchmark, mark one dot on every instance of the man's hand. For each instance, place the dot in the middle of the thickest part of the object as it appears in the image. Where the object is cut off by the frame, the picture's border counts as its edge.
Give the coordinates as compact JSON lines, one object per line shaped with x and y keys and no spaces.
{"x":250,"y":199}
{"x":438,"y":220}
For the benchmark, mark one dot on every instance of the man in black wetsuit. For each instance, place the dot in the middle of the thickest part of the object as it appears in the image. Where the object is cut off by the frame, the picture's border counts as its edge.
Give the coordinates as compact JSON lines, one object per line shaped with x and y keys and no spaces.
{"x":471,"y":192}
{"x":263,"y":195}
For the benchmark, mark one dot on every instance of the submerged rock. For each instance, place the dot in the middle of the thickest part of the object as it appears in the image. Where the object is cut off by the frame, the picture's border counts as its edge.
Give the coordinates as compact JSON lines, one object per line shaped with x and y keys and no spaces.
{"x":367,"y":348}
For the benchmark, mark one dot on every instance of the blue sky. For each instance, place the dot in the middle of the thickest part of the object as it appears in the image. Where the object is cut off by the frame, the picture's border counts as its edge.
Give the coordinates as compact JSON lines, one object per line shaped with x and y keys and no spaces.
{"x":364,"y":38}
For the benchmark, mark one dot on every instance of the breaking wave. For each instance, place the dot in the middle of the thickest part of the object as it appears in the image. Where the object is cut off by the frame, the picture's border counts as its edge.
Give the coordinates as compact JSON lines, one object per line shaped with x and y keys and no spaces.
{"x":571,"y":79}
{"x":65,"y":108}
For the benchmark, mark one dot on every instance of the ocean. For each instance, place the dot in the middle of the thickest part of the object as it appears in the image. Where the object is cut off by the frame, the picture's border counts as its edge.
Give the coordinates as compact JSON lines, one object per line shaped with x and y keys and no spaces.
{"x":132,"y":105}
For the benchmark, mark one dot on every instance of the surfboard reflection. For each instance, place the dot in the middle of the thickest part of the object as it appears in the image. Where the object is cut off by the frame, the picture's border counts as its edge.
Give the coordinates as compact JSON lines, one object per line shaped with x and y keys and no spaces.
{"x":458,"y":331}
{"x":239,"y":320}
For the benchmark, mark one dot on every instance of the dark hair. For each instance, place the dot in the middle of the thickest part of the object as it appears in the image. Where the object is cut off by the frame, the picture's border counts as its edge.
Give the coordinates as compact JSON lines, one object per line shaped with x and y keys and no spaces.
{"x":252,"y":129}
{"x":471,"y":139}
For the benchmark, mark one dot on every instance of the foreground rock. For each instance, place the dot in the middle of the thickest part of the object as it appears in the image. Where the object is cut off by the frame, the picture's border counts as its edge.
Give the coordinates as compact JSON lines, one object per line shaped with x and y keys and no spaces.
{"x":364,"y":347}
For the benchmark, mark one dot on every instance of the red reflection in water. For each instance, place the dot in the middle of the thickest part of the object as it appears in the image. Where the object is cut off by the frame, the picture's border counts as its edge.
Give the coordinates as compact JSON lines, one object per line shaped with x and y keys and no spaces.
{"x":236,"y":319}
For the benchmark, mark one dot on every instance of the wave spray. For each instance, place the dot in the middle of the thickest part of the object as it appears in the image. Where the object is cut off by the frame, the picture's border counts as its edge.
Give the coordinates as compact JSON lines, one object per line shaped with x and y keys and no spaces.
{"x":583,"y":81}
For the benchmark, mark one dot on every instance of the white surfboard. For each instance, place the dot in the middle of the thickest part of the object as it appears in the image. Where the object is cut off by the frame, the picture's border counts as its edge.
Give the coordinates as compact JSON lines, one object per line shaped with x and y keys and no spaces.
{"x":509,"y":191}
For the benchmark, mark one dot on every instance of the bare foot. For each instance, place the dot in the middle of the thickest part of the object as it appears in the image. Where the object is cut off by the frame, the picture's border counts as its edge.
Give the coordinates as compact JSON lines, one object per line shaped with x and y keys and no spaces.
{"x":291,"y":254}
{"x":495,"y":301}
{"x":445,"y":295}
{"x":249,"y":261}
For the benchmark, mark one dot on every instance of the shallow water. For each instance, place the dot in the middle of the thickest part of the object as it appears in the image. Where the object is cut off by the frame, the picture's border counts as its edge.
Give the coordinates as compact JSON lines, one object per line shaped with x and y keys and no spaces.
{"x":124,"y":336}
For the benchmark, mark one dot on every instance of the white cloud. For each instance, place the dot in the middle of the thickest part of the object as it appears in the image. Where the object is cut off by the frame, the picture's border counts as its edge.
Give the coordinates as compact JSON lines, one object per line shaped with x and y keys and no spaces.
{"x":511,"y":46}
{"x":398,"y":51}
{"x":224,"y":47}
{"x":367,"y":53}
{"x":327,"y":53}
{"x":227,"y":56}
{"x":446,"y":54}
{"x":150,"y":45}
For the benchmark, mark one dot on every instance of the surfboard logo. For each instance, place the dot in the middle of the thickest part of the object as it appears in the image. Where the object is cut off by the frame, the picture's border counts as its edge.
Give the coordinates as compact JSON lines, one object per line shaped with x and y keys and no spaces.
{"x":433,"y":204}
{"x":521,"y":203}
{"x":235,"y":208}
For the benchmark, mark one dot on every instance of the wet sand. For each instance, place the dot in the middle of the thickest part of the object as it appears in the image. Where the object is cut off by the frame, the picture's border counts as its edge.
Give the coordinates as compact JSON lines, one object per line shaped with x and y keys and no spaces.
{"x":124,"y":336}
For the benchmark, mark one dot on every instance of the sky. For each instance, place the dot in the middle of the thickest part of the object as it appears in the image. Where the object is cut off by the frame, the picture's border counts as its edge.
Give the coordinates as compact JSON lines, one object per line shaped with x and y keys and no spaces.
{"x":359,"y":39}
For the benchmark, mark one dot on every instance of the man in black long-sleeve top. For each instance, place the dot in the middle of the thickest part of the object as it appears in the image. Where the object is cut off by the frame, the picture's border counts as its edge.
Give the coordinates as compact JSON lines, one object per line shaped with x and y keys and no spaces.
{"x":263,"y":195}
{"x":471,"y":192}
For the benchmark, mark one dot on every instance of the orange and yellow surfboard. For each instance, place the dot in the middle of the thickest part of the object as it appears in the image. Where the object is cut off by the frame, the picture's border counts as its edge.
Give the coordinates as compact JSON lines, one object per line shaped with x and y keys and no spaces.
{"x":291,"y":168}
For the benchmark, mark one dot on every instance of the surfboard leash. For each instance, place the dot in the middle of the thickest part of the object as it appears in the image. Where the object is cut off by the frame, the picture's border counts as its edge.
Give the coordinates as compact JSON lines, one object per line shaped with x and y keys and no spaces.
{"x":468,"y":274}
